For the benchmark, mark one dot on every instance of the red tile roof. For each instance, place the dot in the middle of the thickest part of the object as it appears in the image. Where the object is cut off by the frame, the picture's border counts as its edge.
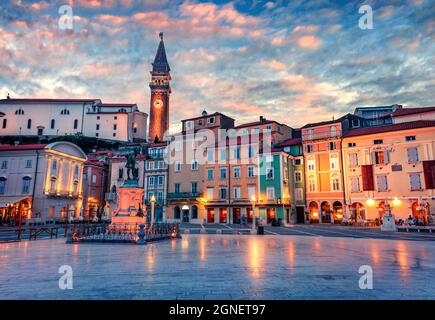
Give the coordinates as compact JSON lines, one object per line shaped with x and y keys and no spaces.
{"x":406,"y":111}
{"x":289,"y":142}
{"x":392,"y":127}
{"x":7,"y":147}
{"x":256,"y":123}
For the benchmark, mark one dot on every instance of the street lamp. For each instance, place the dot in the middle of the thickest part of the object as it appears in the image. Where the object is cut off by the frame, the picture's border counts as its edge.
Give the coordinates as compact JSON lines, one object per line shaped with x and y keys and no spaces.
{"x":153,"y":201}
{"x":253,"y":201}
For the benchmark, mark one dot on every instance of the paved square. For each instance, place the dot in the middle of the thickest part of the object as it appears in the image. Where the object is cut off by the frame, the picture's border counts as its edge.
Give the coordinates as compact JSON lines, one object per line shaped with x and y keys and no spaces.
{"x":220,"y":267}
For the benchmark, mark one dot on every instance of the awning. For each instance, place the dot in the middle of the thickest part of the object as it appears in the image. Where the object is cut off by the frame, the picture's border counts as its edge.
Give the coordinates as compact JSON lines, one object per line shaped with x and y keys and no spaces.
{"x":4,"y":201}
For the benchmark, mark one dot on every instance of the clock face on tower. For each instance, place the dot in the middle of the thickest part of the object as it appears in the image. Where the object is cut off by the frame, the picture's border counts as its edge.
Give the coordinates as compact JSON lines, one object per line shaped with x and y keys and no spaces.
{"x":158,"y":103}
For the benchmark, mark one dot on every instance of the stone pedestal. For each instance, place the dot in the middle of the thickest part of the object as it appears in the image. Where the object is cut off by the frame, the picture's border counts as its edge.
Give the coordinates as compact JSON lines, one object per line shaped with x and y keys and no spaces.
{"x":388,"y":223}
{"x":130,"y":197}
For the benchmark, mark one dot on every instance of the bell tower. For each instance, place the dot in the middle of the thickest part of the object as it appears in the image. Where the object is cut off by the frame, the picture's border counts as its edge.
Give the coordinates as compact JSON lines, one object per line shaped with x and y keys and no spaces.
{"x":160,"y":92}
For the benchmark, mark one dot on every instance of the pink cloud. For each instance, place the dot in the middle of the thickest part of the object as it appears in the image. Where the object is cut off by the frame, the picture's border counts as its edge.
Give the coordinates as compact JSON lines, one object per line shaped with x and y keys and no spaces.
{"x":309,"y":42}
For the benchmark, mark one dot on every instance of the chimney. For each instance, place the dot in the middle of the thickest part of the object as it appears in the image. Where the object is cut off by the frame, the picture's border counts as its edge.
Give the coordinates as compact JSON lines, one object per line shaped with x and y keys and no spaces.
{"x":262,"y":119}
{"x":8,"y":96}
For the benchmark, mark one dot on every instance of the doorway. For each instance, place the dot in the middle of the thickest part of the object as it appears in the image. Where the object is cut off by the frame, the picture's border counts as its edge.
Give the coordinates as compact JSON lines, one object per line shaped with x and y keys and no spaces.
{"x":236,"y":216}
{"x":186,"y":215}
{"x":300,"y":213}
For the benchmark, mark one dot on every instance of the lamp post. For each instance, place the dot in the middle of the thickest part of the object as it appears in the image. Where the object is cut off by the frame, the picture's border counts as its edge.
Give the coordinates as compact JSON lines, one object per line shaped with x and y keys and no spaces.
{"x":253,"y":201}
{"x":153,"y":202}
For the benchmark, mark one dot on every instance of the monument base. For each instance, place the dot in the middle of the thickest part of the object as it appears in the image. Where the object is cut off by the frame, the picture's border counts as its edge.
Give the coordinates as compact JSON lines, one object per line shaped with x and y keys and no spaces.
{"x":129,"y":211}
{"x":388,"y":223}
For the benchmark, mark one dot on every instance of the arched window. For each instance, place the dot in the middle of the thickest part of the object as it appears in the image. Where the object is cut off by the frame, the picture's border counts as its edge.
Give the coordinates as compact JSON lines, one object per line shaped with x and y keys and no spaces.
{"x":26,"y":185}
{"x":311,"y":183}
{"x":75,"y":186}
{"x":177,"y":212}
{"x":76,"y":172}
{"x":64,"y":112}
{"x":19,"y":111}
{"x":76,"y":124}
{"x":335,"y":182}
{"x":52,"y":123}
{"x":194,"y":212}
{"x":29,"y":123}
{"x":54,"y":165}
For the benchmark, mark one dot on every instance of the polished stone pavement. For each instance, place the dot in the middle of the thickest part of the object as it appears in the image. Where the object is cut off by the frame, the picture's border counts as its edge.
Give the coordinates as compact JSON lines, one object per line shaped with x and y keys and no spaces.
{"x":221,"y":267}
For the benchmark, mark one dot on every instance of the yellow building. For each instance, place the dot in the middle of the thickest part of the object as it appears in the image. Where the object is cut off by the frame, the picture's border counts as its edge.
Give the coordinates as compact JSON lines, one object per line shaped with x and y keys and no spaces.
{"x":394,"y":164}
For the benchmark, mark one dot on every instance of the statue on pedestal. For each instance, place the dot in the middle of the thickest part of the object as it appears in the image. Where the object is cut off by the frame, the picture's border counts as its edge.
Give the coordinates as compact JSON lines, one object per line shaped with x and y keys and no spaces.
{"x":131,"y":166}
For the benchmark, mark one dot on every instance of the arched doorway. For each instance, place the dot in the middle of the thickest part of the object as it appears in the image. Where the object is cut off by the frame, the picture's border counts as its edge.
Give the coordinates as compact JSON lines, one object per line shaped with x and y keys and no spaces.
{"x":421,"y":211}
{"x":326,"y":212}
{"x":358,"y":211}
{"x":177,"y":212}
{"x":314,"y":211}
{"x":337,"y":209}
{"x":185,"y":213}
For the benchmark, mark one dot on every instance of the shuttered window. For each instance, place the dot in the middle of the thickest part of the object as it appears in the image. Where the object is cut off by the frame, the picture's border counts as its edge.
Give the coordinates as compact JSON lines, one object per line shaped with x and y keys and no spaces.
{"x":353,"y":159}
{"x":382,"y":183}
{"x":412,"y":154}
{"x":354,"y":184}
{"x":415,"y":181}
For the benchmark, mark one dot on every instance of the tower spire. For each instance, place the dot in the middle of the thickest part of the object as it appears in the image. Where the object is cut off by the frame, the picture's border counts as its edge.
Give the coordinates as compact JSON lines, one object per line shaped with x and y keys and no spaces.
{"x":160,"y":63}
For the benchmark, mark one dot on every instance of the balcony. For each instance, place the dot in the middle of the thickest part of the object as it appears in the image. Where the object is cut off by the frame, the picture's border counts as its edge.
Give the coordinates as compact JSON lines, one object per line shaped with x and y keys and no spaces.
{"x":63,"y":194}
{"x":184,"y":195}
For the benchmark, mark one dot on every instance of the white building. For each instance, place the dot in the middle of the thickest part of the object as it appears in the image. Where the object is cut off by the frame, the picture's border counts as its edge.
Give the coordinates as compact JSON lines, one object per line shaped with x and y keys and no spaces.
{"x":89,"y":117}
{"x":39,"y":181}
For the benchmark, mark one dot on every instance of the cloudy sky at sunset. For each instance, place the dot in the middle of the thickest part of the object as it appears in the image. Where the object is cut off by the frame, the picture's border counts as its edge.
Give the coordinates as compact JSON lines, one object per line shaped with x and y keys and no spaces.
{"x":292,"y":61}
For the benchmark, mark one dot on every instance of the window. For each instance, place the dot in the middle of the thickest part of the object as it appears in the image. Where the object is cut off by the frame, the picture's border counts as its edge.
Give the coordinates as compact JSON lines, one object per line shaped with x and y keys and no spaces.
{"x":159,"y":195}
{"x":54,"y":165}
{"x":335,"y":182}
{"x":115,"y":117}
{"x":76,"y":172}
{"x":412,"y":154}
{"x":298,"y":176}
{"x":222,"y":193}
{"x":269,"y":173}
{"x":250,"y":151}
{"x":382,"y":183}
{"x":177,"y":166}
{"x":237,"y":153}
{"x":94,"y":178}
{"x":176,"y":187}
{"x":160,"y":180}
{"x":148,"y":165}
{"x":309,"y":148}
{"x":194,"y":186}
{"x":76,"y":124}
{"x":29,"y":124}
{"x":353,"y":159}
{"x":52,"y":123}
{"x":297,"y":162}
{"x":5,"y":123}
{"x":115,"y":127}
{"x":355,"y":123}
{"x":97,"y":127}
{"x":210,"y":155}
{"x":311,"y":164}
{"x":2,"y":185}
{"x":410,"y":138}
{"x":311,"y":183}
{"x":222,"y":154}
{"x":4,"y":164}
{"x":98,"y":117}
{"x":351,"y":144}
{"x":299,"y":194}
{"x":270,"y":193}
{"x":415,"y":181}
{"x":380,"y":157}
{"x":236,"y":192}
{"x":151,"y":181}
{"x":333,"y":131}
{"x":97,"y":134}
{"x":210,"y":174}
{"x":251,"y":172}
{"x":310,"y":134}
{"x":378,"y":141}
{"x":26,"y":185}
{"x":251,"y":190}
{"x":28,"y":163}
{"x":210,"y":120}
{"x":236,"y":172}
{"x":189,"y":125}
{"x":52,"y":185}
{"x":223,"y":173}
{"x":332,"y":145}
{"x":194,"y":165}
{"x":210,"y":193}
{"x":333,"y":162}
{"x":121,"y":173}
{"x":354,"y":184}
{"x":19,"y":111}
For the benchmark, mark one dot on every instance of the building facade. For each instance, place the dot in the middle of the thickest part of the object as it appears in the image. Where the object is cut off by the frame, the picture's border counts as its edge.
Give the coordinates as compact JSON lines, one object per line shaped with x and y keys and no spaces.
{"x":391,"y":165}
{"x":58,"y":117}
{"x":41,"y":182}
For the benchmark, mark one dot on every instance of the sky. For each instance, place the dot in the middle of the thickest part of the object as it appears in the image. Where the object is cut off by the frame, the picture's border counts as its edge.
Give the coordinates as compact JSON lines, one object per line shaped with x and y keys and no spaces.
{"x":296,"y":62}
